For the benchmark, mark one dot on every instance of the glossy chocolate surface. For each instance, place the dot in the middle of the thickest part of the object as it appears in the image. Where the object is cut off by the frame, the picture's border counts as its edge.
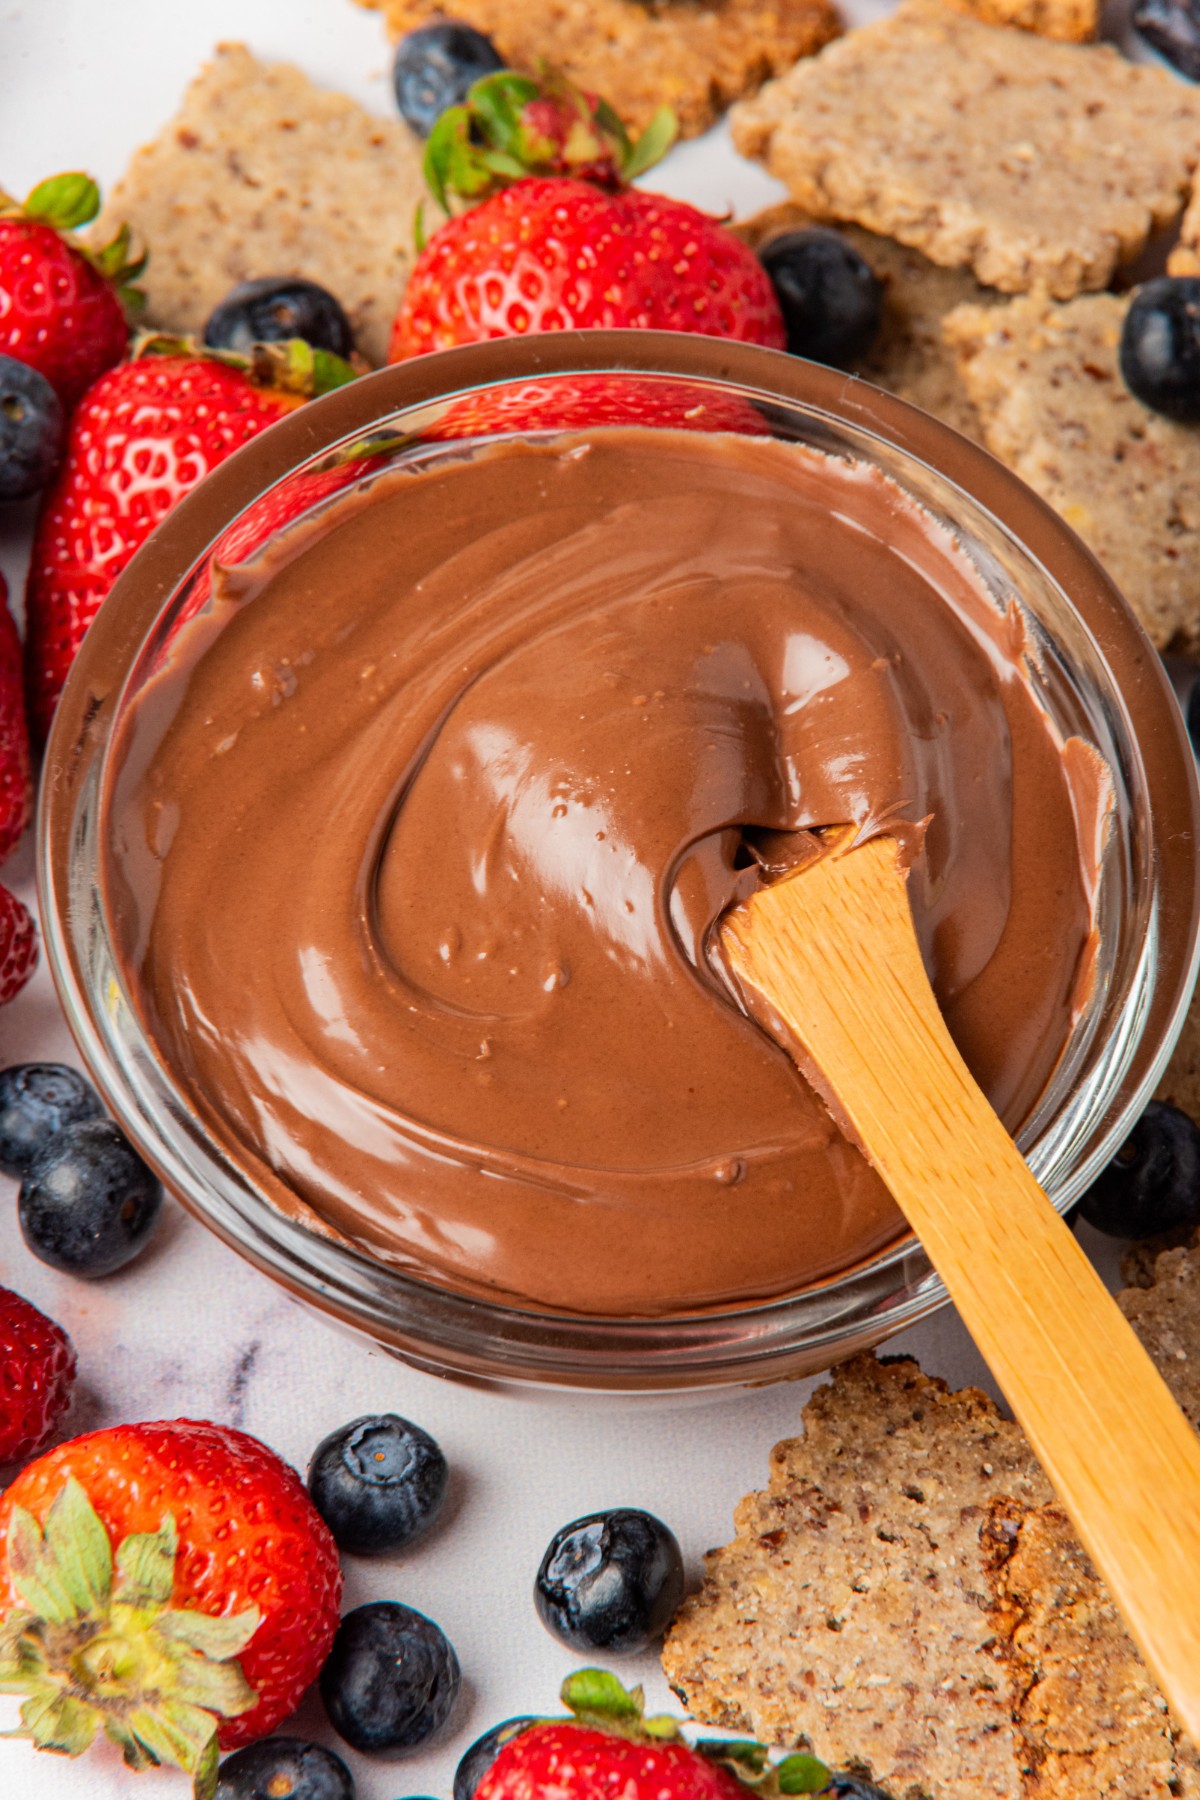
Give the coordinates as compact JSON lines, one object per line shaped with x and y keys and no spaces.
{"x":418,"y":838}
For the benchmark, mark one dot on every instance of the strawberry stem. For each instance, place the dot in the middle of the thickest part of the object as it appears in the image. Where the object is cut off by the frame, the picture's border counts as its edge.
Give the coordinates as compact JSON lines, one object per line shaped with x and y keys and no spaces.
{"x":597,"y":1699}
{"x":64,"y":201}
{"x":96,"y":1644}
{"x":512,"y":125}
{"x":292,"y":367}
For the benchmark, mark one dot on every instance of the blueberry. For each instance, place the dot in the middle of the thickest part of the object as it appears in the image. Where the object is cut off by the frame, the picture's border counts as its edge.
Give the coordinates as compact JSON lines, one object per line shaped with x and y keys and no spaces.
{"x":277,"y":307}
{"x":32,"y":424}
{"x":1160,"y":347}
{"x":390,"y":1681}
{"x":1193,"y":717}
{"x":1152,"y":1184}
{"x":1173,"y":28}
{"x":482,"y":1754}
{"x":88,"y":1203}
{"x":435,"y":66}
{"x":36,"y":1100}
{"x":832,"y":302}
{"x":377,"y":1483}
{"x":610,"y":1582}
{"x":284,"y":1768}
{"x":845,"y":1786}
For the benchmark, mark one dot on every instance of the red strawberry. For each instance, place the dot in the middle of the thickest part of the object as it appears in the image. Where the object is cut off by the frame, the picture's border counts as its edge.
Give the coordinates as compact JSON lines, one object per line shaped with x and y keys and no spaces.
{"x":37,"y":1373}
{"x":61,"y":305}
{"x":609,"y":1751}
{"x":143,"y":435}
{"x":555,"y":252}
{"x":16,"y":780}
{"x":186,"y":1585}
{"x":18,"y":946}
{"x":584,"y":402}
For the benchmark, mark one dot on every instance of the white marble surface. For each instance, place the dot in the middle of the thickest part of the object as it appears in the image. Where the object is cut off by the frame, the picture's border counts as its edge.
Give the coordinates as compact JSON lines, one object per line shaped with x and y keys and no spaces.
{"x":191,"y":1331}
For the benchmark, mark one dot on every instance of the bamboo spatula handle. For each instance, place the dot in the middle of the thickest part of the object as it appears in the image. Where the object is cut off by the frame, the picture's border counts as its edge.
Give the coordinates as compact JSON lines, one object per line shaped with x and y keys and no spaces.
{"x":834,"y":955}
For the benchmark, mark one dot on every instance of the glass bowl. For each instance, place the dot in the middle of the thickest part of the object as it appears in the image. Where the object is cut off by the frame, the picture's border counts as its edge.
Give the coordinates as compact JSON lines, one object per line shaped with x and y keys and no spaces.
{"x":1096,"y":674}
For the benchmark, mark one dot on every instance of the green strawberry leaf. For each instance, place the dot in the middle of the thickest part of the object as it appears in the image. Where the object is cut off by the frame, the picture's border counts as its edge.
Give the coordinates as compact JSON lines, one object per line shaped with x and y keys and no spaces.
{"x":216,"y":1638}
{"x":801,"y":1775}
{"x":205,"y":1774}
{"x":601,"y":1696}
{"x":146,"y":1566}
{"x":174,"y":1733}
{"x":34,"y":1573}
{"x":498,"y":102}
{"x":653,"y":144}
{"x":744,"y":1752}
{"x":64,"y":201}
{"x":79,"y":1545}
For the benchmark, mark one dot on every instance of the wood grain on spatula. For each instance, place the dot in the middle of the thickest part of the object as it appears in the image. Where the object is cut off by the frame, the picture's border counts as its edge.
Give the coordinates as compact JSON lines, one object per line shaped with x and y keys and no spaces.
{"x":830,"y":956}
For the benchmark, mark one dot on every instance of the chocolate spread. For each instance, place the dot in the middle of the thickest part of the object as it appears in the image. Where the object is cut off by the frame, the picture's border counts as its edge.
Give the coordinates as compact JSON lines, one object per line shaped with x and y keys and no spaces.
{"x":419,"y":834}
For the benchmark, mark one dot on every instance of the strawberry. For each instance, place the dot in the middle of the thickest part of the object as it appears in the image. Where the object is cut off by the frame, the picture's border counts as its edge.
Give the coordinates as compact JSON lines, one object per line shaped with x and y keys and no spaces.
{"x":18,"y":946}
{"x":62,"y":305}
{"x":16,"y":780}
{"x":141,"y":438}
{"x":172,"y":1584}
{"x":609,"y":1751}
{"x":564,"y":244}
{"x":37,"y":1373}
{"x":583,"y":402}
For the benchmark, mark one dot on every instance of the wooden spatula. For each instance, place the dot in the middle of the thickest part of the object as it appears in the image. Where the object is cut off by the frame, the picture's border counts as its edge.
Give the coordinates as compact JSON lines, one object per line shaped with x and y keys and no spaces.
{"x":832,"y":957}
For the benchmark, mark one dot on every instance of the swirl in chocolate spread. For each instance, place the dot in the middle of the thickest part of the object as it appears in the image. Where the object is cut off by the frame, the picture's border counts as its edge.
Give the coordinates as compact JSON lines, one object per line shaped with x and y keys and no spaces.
{"x":418,"y":838}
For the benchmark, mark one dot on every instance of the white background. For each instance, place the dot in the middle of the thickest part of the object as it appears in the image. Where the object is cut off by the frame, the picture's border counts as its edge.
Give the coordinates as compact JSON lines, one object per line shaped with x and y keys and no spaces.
{"x":189,"y":1330}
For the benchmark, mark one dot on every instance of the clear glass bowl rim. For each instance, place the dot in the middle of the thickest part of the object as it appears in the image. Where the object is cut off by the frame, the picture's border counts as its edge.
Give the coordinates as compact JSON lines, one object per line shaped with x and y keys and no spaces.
{"x":460,"y":1334}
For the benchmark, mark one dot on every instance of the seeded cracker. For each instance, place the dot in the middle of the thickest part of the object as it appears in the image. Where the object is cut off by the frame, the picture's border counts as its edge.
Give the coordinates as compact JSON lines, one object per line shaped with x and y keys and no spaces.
{"x":1031,"y":163}
{"x":694,"y":55}
{"x":910,"y":358}
{"x":1166,"y":1316}
{"x":907,"y":1597}
{"x":1071,"y":21}
{"x":1051,"y":403}
{"x":1185,"y":258}
{"x":263,"y":173}
{"x":850,"y":1610}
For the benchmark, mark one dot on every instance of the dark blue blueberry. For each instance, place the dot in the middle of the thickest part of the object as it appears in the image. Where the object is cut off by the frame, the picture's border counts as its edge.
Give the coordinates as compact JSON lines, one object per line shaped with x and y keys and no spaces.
{"x":435,"y":66}
{"x":1152,"y":1184}
{"x":88,"y":1202}
{"x":482,"y":1754}
{"x":831,"y":301}
{"x":845,"y":1786}
{"x":610,"y":1582}
{"x":390,"y":1682}
{"x":36,"y":1100}
{"x":1173,"y":28}
{"x":1160,"y":347}
{"x":284,"y":1768}
{"x":377,"y":1483}
{"x":31,"y":429}
{"x":1193,"y":717}
{"x":274,"y":308}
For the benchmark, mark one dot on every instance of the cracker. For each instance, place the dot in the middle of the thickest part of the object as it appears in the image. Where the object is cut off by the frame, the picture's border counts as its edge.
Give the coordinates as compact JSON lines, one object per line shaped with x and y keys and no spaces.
{"x":907,"y":1597}
{"x":1071,"y":21}
{"x":1045,"y":382}
{"x":1090,"y":1720}
{"x":263,"y":173}
{"x":694,"y":55}
{"x":1034,"y":164}
{"x":1181,"y":1081}
{"x":850,"y":1611}
{"x":910,"y":358}
{"x":1166,"y":1316}
{"x":1185,"y":257}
